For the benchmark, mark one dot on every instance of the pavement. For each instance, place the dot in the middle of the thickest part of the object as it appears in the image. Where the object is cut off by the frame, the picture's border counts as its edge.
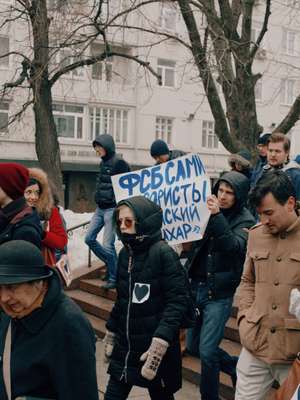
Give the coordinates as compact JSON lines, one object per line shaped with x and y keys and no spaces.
{"x":188,"y":391}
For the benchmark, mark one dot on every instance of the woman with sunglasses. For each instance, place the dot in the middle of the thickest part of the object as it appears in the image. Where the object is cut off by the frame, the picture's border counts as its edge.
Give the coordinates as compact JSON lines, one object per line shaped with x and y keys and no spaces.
{"x":142,"y":338}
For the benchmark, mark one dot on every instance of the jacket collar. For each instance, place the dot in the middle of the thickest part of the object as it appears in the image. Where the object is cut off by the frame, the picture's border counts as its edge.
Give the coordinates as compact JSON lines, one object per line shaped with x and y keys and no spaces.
{"x":295,"y":226}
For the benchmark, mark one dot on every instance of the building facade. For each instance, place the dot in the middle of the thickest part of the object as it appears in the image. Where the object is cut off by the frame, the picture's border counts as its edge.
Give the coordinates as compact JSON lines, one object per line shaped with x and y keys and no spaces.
{"x":119,"y":97}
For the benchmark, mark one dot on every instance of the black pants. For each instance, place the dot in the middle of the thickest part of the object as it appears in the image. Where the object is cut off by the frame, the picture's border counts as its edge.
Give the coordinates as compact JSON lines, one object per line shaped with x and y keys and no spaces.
{"x":119,"y":390}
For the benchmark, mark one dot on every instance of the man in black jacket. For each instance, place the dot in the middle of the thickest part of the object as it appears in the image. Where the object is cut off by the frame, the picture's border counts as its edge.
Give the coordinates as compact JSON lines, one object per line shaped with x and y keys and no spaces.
{"x":215,"y":269}
{"x":159,"y":150}
{"x":111,"y":164}
{"x":17,"y":219}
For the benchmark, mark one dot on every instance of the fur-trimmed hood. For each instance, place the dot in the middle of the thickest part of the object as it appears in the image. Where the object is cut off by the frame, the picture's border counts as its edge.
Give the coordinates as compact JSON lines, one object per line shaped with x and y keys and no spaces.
{"x":45,"y":203}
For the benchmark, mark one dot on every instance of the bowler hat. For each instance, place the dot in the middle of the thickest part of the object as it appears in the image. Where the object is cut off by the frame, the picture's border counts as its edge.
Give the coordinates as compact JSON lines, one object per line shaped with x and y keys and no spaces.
{"x":20,"y":262}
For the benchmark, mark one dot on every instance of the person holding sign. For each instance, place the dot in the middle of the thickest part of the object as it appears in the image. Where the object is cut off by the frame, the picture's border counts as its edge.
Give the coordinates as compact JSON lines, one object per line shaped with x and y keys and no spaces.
{"x":159,"y":150}
{"x":215,"y":267}
{"x":142,"y":338}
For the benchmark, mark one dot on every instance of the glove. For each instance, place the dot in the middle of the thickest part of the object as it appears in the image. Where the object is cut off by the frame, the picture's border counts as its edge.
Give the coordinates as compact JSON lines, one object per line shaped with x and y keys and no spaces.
{"x":109,"y":341}
{"x":153,"y":357}
{"x":295,"y":303}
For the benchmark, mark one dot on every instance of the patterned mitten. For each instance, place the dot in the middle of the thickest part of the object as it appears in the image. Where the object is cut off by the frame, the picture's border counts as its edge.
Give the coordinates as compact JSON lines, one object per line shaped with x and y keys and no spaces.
{"x":109,"y":341}
{"x":295,"y":303}
{"x":153,"y":357}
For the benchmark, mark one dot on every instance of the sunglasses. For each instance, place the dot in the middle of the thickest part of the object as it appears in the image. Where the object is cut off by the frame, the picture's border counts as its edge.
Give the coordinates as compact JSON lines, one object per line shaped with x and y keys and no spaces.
{"x":128,"y":222}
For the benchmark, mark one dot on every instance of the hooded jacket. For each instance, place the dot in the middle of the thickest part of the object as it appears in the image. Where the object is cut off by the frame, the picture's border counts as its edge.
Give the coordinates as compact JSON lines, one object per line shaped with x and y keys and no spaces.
{"x":219,"y":257}
{"x":111,"y":164}
{"x":151,"y":299}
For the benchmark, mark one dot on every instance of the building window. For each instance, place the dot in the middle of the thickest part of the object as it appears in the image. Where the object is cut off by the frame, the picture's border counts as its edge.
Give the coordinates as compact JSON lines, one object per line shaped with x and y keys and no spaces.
{"x":287,"y":92}
{"x":209,"y":138}
{"x":163,"y":129}
{"x":167,"y":17}
{"x":258,"y":90}
{"x":289,"y":42}
{"x":4,"y":49}
{"x":68,"y":119}
{"x":166,"y":69}
{"x":102,"y":70}
{"x":4,"y":110}
{"x":113,"y":121}
{"x":69,"y":56}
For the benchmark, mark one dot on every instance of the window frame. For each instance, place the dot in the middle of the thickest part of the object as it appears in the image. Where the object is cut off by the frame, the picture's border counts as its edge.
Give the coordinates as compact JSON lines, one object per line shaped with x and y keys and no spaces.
{"x":101,"y":117}
{"x":3,"y":111}
{"x":162,"y":124}
{"x":76,"y":115}
{"x":286,"y":33}
{"x":208,"y":134}
{"x":285,"y":98}
{"x":106,"y":64}
{"x":164,"y":70}
{"x":5,"y":66}
{"x":164,"y":9}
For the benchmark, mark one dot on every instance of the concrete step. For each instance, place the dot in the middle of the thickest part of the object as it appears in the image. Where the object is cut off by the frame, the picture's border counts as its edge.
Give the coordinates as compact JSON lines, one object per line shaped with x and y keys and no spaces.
{"x":92,"y":304}
{"x":93,"y":286}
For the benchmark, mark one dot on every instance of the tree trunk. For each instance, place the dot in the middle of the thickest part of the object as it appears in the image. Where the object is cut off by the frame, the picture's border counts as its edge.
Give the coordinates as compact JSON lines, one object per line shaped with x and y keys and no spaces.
{"x":46,"y":141}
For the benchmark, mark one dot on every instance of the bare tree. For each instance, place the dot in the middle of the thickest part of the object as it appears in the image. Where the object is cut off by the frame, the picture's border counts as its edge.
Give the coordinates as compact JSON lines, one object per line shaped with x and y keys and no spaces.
{"x":218,"y":37}
{"x":52,"y":27}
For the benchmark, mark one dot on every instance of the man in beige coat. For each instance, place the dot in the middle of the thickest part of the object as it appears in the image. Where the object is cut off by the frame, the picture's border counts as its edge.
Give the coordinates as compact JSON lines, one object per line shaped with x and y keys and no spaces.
{"x":270,"y":335}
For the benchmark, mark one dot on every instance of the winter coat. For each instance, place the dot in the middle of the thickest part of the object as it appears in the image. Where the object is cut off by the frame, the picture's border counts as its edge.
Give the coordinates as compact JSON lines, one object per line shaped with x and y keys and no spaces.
{"x":257,"y":171}
{"x":151,"y":301}
{"x":292,"y":169}
{"x":53,"y":351}
{"x":110,"y":165}
{"x":55,"y":237}
{"x":54,"y":233}
{"x":218,"y":258}
{"x":271,"y":270}
{"x":20,"y":222}
{"x":176,"y":154}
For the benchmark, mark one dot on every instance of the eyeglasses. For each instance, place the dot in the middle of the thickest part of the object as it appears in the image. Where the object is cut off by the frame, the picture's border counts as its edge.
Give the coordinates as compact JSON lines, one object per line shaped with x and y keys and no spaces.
{"x":128,"y":222}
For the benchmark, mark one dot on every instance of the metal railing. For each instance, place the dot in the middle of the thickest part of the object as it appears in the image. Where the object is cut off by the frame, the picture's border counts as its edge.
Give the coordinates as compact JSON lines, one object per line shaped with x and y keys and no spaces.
{"x":70,"y":232}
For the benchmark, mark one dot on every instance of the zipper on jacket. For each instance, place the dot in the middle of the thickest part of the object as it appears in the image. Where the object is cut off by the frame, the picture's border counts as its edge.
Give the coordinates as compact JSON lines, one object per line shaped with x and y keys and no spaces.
{"x":130,"y":264}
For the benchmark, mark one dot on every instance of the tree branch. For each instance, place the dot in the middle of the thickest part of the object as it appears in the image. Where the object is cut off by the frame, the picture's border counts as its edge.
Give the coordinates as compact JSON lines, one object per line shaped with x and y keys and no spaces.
{"x":102,"y":57}
{"x":291,"y":118}
{"x":263,"y":30}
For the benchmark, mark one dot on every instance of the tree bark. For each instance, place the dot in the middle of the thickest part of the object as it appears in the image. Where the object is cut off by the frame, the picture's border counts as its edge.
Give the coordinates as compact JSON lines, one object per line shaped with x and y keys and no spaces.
{"x":46,"y":141}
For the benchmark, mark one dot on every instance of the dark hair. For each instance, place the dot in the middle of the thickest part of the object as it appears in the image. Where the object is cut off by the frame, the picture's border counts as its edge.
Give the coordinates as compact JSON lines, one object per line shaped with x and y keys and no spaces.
{"x":276,"y":182}
{"x":33,"y":181}
{"x":281,"y":138}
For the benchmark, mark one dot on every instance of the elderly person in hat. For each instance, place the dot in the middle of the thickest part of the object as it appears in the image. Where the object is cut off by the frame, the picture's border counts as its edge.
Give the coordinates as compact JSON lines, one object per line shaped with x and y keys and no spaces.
{"x":17,"y":219}
{"x":46,"y":344}
{"x":241,"y":162}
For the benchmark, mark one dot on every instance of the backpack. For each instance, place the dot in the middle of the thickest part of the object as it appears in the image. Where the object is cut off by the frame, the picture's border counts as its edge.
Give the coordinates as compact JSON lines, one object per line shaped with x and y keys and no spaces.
{"x":192,"y":313}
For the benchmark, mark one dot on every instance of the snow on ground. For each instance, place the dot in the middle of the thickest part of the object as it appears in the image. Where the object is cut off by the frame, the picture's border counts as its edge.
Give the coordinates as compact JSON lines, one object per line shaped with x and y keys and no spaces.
{"x":77,"y":249}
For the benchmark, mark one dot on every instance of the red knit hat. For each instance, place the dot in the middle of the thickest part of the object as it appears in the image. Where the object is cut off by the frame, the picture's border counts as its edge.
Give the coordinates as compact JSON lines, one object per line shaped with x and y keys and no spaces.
{"x":13,"y":179}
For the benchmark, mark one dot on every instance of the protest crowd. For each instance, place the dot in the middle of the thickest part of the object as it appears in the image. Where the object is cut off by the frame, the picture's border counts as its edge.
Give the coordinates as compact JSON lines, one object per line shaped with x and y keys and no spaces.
{"x":187,"y":252}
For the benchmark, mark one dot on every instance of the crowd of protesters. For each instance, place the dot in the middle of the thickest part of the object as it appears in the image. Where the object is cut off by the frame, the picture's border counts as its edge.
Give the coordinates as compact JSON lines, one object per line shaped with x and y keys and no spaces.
{"x":250,"y":245}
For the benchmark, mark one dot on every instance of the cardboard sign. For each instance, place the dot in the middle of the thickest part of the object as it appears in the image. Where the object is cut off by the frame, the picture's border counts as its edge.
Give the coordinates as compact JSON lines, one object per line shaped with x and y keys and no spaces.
{"x":180,"y":187}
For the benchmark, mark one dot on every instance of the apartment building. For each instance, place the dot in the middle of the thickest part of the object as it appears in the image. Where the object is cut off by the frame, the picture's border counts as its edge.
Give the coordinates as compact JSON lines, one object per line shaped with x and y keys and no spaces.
{"x":117,"y":96}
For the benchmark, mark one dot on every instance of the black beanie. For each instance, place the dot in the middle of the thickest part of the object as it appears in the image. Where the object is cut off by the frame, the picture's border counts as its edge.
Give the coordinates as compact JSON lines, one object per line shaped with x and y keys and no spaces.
{"x":264,"y":139}
{"x":159,"y":148}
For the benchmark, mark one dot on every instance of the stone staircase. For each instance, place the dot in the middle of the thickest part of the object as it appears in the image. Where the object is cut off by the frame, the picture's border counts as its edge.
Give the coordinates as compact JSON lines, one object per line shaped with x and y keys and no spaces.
{"x":97,"y":304}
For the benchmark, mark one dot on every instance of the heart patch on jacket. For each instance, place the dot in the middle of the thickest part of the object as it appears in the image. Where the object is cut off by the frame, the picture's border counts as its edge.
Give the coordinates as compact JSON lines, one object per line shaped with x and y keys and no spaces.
{"x":141,"y":292}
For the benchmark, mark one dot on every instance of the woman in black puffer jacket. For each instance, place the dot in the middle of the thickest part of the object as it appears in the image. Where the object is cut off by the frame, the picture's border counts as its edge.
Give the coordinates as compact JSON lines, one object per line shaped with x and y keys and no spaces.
{"x":142,"y":331}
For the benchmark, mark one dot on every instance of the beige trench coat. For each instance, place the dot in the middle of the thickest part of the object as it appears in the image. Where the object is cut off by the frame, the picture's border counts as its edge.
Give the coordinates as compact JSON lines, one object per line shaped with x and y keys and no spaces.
{"x":271,"y":271}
